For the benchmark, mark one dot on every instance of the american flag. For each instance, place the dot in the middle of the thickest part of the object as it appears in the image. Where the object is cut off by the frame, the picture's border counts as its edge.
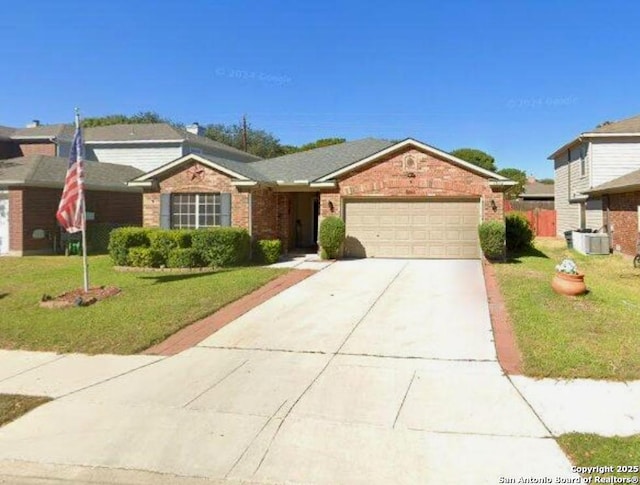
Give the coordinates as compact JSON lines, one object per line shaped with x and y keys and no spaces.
{"x":70,"y":213}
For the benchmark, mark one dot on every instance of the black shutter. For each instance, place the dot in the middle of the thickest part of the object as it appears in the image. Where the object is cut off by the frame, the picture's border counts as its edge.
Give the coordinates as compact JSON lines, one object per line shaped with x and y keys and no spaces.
{"x":165,"y":211}
{"x":225,"y":209}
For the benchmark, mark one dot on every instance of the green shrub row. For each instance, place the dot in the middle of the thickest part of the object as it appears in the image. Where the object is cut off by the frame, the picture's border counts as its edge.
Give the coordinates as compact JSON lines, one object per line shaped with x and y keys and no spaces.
{"x":181,"y":248}
{"x":267,"y":251}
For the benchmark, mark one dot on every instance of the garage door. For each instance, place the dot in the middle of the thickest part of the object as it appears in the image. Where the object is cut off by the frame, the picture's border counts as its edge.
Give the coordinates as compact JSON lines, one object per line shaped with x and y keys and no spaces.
{"x":412,"y":229}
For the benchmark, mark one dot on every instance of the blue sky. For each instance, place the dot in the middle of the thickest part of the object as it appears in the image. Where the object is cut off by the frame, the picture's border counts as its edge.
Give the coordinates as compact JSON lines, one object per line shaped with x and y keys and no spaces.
{"x":516,"y":79}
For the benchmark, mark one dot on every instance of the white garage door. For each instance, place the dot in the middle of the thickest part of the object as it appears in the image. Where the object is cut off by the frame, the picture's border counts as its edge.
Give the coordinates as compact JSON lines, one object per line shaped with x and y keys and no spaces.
{"x":397,"y":228}
{"x":4,"y":223}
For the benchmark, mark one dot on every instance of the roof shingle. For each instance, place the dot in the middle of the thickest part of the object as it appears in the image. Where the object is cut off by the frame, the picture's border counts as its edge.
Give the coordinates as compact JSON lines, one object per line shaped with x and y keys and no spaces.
{"x":51,"y":171}
{"x":630,"y":181}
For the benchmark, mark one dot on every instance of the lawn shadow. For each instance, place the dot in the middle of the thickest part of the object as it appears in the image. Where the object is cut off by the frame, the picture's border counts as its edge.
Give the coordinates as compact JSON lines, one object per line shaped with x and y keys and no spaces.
{"x":2,"y":295}
{"x":169,"y":278}
{"x":530,"y":252}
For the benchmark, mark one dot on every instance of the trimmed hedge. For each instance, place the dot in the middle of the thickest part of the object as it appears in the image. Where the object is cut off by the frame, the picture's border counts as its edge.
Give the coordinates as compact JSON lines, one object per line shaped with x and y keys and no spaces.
{"x":122,"y":239}
{"x":222,"y":246}
{"x":519,"y":232}
{"x":331,"y":236}
{"x":492,"y":236}
{"x":184,"y":258}
{"x":267,"y":251}
{"x":142,"y":257}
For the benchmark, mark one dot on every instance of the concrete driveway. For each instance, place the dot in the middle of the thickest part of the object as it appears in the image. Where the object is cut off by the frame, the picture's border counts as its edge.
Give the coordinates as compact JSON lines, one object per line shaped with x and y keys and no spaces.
{"x":371,"y":371}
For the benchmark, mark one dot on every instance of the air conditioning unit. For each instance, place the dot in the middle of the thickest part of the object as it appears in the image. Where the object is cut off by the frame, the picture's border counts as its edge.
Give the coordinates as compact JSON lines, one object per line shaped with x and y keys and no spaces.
{"x":591,"y":243}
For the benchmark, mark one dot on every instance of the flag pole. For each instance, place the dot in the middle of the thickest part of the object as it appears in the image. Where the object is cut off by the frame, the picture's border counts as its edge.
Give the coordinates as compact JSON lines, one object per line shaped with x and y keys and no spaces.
{"x":85,"y":264}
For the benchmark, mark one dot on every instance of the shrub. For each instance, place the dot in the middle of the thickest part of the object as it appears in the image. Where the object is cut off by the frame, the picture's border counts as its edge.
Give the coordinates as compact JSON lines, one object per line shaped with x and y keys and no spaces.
{"x":184,"y":258}
{"x":142,"y":257}
{"x":123,"y":238}
{"x":182,"y":237}
{"x":492,"y":235}
{"x":331,"y":236}
{"x":519,"y":232}
{"x":162,"y":240}
{"x":267,"y":250}
{"x":222,"y":246}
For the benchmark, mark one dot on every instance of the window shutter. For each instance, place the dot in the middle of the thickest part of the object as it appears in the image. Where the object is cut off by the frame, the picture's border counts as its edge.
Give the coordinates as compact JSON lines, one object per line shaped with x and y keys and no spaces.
{"x":165,"y":211}
{"x":225,"y":209}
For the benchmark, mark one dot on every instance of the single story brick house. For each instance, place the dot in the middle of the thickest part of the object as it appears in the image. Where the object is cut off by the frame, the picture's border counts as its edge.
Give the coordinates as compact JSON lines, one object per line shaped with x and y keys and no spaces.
{"x":621,"y":211}
{"x":30,"y":191}
{"x":404,"y":199}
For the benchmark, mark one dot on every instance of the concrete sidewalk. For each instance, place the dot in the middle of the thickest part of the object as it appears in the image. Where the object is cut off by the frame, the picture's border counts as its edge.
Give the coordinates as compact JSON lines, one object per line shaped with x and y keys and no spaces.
{"x":56,"y":375}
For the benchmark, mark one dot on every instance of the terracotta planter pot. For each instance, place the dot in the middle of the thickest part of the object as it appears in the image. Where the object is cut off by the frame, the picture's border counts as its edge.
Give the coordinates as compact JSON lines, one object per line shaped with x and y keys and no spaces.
{"x":569,"y":284}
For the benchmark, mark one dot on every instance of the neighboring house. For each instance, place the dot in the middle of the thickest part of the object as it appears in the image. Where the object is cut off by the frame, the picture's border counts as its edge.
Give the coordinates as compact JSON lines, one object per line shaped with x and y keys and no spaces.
{"x":30,"y":191}
{"x":535,"y":195}
{"x":621,"y":210}
{"x":591,"y":159}
{"x":36,"y":139}
{"x":148,"y":146}
{"x":404,"y":199}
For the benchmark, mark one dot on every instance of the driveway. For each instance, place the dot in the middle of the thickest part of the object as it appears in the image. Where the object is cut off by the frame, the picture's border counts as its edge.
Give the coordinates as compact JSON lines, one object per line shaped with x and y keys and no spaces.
{"x":370,"y":371}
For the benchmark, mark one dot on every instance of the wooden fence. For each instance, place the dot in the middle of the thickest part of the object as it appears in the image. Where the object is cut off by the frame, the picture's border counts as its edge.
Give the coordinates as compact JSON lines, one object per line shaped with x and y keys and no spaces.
{"x":543,"y":221}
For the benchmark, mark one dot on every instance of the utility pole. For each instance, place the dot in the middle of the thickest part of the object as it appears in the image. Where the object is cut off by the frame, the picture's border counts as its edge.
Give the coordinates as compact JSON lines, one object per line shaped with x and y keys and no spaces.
{"x":244,"y":132}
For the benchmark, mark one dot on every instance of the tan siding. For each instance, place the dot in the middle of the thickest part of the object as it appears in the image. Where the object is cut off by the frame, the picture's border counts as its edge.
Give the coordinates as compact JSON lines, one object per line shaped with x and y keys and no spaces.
{"x":140,"y":156}
{"x":614,"y":157}
{"x":567,"y":215}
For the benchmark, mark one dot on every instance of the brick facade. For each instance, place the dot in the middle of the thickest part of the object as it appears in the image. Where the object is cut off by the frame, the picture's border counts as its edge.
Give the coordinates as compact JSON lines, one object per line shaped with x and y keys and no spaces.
{"x":33,"y":208}
{"x":196,"y":178}
{"x":413,"y":173}
{"x":270,"y":210}
{"x":45,"y":148}
{"x":623,"y":216}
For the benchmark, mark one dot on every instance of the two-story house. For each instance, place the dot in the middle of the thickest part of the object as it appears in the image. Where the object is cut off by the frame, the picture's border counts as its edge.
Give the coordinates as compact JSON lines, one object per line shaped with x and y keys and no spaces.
{"x":592,"y":159}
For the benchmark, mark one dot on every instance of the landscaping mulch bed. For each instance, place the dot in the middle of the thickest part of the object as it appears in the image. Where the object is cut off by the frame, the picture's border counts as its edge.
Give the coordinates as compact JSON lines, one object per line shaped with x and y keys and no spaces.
{"x":78,"y":297}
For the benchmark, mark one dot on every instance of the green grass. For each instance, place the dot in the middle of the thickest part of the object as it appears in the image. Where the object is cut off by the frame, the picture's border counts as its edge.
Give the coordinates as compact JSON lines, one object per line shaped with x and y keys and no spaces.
{"x":592,"y":336}
{"x":151,"y":307}
{"x":587,"y":450}
{"x":13,"y":406}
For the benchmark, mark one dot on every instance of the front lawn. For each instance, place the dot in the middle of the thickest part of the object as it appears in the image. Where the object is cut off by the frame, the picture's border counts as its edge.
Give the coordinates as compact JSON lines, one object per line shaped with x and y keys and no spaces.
{"x":592,"y":336}
{"x":590,"y":450}
{"x":151,"y":307}
{"x":12,"y":406}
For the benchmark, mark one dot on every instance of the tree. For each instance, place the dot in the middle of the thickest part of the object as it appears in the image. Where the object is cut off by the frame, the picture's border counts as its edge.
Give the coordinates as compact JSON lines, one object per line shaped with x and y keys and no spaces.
{"x":259,"y":142}
{"x":322,"y":142}
{"x":547,"y":181}
{"x":477,"y":157}
{"x":516,"y":175}
{"x":117,"y":119}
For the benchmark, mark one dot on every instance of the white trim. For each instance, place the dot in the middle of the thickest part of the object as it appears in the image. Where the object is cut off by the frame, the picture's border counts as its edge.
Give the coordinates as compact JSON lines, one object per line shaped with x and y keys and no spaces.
{"x":38,"y":137}
{"x":185,"y":158}
{"x":244,"y":183}
{"x":416,"y":144}
{"x":329,"y":185}
{"x":589,"y":135}
{"x":129,"y":142}
{"x":146,"y":183}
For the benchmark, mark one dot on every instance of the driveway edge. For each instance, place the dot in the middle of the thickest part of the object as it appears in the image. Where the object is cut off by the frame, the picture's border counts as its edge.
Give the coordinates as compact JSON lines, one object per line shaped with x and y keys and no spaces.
{"x":200,"y":330}
{"x":509,"y":355}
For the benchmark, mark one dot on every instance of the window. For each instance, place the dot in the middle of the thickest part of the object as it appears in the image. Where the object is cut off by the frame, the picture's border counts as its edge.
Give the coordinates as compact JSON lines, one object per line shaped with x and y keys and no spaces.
{"x":192,"y":211}
{"x":583,"y":162}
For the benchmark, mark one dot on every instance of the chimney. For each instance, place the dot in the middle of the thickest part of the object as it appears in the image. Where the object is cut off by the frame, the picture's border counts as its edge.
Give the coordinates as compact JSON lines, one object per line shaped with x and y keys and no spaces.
{"x":196,"y":129}
{"x":33,"y":124}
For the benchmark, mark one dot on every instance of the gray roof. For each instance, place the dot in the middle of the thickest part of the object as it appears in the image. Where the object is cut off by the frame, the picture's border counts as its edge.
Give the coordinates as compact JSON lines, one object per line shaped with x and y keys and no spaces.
{"x":6,"y":132}
{"x":49,"y":131}
{"x":538,"y":190}
{"x":629,"y":125}
{"x":42,"y":170}
{"x":629,"y":182}
{"x":163,"y":132}
{"x":242,"y":168}
{"x":313,"y":164}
